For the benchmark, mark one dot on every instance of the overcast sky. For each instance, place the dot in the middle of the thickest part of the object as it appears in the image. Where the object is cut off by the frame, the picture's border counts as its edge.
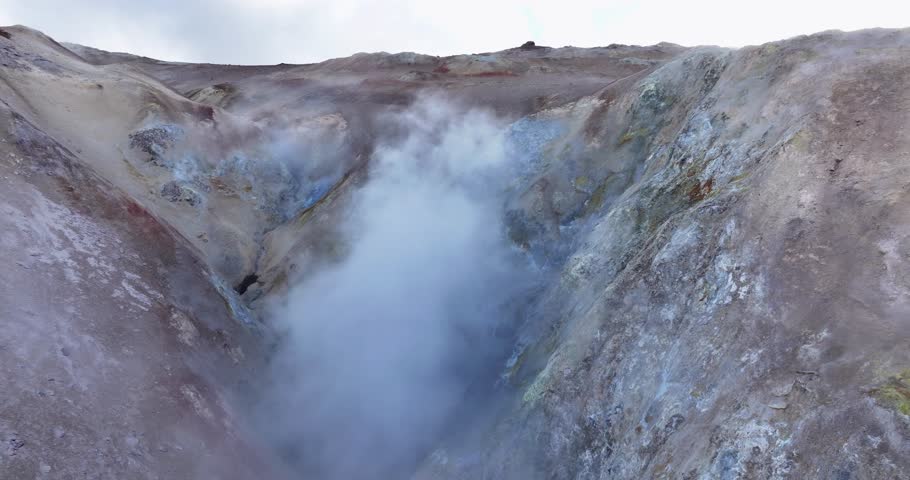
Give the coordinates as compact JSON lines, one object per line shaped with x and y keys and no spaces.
{"x":299,"y":31}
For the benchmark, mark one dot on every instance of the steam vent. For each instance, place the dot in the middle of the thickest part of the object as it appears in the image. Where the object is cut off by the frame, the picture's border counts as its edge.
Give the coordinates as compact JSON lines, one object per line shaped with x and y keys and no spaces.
{"x":623,"y":262}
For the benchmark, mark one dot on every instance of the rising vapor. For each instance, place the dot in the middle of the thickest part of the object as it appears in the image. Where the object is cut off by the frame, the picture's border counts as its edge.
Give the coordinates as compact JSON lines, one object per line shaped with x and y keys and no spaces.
{"x":380,"y":349}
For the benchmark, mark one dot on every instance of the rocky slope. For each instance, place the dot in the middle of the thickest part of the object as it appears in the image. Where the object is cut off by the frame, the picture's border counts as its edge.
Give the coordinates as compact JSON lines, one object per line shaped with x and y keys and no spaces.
{"x":722,"y":236}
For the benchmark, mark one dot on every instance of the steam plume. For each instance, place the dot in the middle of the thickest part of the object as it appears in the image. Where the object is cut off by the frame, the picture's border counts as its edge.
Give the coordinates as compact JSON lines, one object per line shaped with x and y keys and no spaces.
{"x":380,"y":349}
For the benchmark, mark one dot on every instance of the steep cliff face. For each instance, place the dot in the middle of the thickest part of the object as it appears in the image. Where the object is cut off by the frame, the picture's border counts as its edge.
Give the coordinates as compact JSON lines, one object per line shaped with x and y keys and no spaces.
{"x":735,"y":308}
{"x":719,"y":241}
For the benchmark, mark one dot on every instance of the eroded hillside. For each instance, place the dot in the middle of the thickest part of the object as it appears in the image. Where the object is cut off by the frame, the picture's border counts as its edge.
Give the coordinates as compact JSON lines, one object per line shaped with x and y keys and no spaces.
{"x":619,"y":262}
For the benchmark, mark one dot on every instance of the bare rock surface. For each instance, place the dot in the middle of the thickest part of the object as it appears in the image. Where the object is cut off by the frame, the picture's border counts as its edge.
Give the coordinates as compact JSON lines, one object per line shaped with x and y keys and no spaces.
{"x":732,"y":311}
{"x":726,"y":233}
{"x":118,"y":356}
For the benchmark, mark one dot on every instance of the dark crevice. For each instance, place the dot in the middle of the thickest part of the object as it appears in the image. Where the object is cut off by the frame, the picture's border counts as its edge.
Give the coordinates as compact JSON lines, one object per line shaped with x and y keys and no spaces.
{"x":245,"y":283}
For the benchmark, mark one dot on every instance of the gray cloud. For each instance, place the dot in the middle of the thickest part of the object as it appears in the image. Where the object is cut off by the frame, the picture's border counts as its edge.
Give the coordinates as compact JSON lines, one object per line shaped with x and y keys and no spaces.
{"x":300,"y":31}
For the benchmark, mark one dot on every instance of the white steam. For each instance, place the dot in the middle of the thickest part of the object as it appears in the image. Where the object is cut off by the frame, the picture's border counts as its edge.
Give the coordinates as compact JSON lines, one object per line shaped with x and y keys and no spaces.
{"x":380,"y":349}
